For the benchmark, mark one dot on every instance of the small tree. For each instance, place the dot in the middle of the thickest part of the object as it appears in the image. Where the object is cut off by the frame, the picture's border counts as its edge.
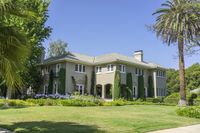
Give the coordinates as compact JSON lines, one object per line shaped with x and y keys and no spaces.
{"x":141,"y":87}
{"x":117,"y":84}
{"x":62,"y":78}
{"x":50,"y":88}
{"x":86,"y":84}
{"x":92,"y":83}
{"x":129,"y":84}
{"x":150,"y":88}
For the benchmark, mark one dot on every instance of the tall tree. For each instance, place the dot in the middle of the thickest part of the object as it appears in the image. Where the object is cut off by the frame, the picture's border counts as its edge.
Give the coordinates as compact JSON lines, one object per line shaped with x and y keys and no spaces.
{"x":36,"y":32}
{"x":117,"y":84}
{"x":57,"y":48}
{"x":178,"y":22}
{"x":14,"y":46}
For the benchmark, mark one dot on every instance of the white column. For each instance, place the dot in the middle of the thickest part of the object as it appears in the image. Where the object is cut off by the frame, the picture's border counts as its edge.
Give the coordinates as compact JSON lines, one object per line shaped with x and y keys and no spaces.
{"x":155,"y":84}
{"x":103,"y":91}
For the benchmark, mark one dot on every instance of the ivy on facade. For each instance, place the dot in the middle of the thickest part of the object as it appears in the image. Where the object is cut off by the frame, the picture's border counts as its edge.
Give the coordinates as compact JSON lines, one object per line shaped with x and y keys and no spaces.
{"x":50,"y":87}
{"x":117,"y":84}
{"x":141,"y":92}
{"x":62,"y":81}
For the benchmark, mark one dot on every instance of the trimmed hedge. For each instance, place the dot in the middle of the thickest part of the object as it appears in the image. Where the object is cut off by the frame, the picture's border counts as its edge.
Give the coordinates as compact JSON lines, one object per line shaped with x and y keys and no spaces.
{"x":193,"y":112}
{"x":77,"y":101}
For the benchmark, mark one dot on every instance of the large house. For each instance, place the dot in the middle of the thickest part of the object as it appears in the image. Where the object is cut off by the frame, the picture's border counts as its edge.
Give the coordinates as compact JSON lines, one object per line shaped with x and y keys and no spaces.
{"x":96,"y":75}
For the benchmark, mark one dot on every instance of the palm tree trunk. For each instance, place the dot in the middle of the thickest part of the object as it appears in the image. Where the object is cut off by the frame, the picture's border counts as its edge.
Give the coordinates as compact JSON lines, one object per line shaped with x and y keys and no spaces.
{"x":8,"y":93}
{"x":182,"y":101}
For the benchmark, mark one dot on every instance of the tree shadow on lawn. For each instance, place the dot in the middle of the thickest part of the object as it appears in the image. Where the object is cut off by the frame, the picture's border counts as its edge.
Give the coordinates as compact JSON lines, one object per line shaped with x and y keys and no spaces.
{"x":51,"y":127}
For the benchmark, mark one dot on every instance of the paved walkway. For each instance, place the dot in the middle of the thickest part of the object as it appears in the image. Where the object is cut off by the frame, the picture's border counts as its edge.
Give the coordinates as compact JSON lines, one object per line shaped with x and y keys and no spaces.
{"x":188,"y":129}
{"x":4,"y":131}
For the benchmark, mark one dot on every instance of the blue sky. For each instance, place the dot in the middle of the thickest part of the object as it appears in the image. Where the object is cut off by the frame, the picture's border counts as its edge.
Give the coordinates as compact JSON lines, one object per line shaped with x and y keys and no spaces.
{"x":96,"y":27}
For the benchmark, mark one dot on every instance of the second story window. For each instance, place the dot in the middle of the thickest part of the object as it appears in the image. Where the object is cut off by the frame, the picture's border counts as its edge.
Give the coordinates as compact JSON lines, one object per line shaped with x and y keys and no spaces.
{"x":98,"y":69}
{"x":110,"y":67}
{"x":122,"y":68}
{"x":160,"y":73}
{"x":57,"y":67}
{"x":79,"y":68}
{"x":139,"y":71}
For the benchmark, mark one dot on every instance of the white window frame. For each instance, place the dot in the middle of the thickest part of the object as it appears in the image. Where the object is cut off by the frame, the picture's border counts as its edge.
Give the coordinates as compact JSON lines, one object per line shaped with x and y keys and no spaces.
{"x":110,"y":67}
{"x":98,"y":69}
{"x":79,"y":86}
{"x":122,"y":68}
{"x":80,"y":68}
{"x":57,"y":67}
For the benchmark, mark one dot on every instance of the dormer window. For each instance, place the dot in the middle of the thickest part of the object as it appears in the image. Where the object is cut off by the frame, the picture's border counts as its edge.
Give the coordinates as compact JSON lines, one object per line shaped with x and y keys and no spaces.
{"x":122,"y":68}
{"x":98,"y":69}
{"x":110,"y":67}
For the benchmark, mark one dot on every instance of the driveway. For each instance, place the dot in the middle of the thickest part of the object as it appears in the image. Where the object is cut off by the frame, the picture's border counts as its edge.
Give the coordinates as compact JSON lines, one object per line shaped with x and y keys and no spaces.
{"x":188,"y":129}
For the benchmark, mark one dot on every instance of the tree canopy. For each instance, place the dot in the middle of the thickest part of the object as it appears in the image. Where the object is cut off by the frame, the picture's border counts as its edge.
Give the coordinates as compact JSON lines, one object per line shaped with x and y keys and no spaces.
{"x":192,"y":78}
{"x":57,"y":48}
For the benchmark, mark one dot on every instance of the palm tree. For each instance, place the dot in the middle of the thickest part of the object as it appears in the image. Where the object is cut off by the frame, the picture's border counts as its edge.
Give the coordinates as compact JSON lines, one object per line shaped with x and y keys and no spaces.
{"x":14,"y":48}
{"x":178,"y":22}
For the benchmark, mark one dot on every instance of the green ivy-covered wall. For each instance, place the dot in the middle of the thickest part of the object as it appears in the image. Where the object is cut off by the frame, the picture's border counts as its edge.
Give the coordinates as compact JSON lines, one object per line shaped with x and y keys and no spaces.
{"x":62,"y":81}
{"x":129,"y":85}
{"x":117,"y":85}
{"x":50,"y":87}
{"x":150,"y":87}
{"x":141,"y":87}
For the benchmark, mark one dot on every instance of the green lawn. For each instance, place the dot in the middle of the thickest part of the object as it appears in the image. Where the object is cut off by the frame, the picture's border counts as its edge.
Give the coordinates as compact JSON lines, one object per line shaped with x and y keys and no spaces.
{"x":51,"y":119}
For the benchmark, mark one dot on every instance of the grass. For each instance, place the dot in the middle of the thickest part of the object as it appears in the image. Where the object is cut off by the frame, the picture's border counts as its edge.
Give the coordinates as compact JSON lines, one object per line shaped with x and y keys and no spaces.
{"x":51,"y":119}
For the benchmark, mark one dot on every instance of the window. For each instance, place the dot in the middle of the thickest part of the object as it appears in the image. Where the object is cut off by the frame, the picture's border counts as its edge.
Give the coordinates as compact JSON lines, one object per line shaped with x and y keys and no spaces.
{"x":57,"y":67}
{"x":80,"y":88}
{"x":98,"y":69}
{"x":139,"y":71}
{"x":79,"y":68}
{"x":122,"y":68}
{"x":46,"y":70}
{"x":160,"y":73}
{"x":110,"y":67}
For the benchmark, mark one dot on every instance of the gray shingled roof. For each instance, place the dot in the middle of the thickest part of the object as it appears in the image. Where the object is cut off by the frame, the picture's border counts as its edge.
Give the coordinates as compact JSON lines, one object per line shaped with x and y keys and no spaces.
{"x":97,"y":60}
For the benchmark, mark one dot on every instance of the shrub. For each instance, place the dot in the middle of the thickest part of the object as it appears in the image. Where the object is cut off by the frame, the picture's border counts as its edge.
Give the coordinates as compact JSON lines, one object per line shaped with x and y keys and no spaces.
{"x":155,"y":100}
{"x":16,"y":103}
{"x":118,"y":102}
{"x":191,"y":98}
{"x":172,"y":99}
{"x":193,"y":112}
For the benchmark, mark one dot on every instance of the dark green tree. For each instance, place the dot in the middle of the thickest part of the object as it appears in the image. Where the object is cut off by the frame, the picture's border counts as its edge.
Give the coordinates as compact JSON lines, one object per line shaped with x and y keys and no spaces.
{"x":150,"y":87}
{"x":51,"y":78}
{"x":117,"y":84}
{"x":62,"y":81}
{"x":141,"y":87}
{"x":92,"y":90}
{"x":129,"y":85}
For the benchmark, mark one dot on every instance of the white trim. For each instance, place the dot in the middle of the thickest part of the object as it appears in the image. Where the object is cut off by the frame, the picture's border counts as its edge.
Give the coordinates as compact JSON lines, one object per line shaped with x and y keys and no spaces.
{"x":122,"y":68}
{"x":80,"y":66}
{"x":110,"y":68}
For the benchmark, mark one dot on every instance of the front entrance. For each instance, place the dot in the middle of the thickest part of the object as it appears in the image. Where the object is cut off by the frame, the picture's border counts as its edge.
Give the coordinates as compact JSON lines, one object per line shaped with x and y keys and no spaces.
{"x":108,"y":91}
{"x":99,"y":90}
